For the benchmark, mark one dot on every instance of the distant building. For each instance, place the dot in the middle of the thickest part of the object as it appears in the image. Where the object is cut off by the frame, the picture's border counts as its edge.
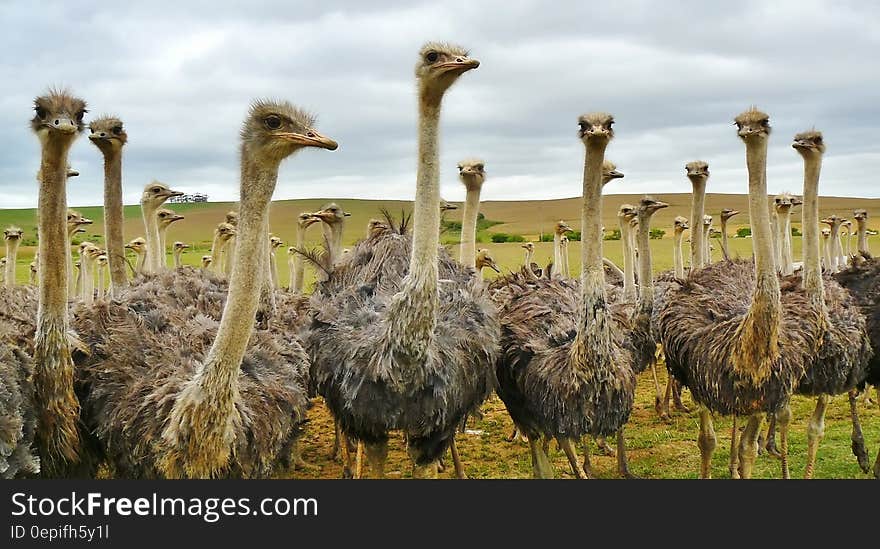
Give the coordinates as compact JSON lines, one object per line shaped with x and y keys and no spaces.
{"x":188,"y":198}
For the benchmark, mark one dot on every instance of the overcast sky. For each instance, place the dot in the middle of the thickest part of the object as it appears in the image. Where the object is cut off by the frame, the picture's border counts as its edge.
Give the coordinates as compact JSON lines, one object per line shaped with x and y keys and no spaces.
{"x":674,"y":74}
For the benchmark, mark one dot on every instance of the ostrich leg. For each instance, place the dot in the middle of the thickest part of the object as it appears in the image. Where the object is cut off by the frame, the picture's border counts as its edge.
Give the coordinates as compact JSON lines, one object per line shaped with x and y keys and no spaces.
{"x":783,"y":418}
{"x":604,"y":447}
{"x":748,"y":445}
{"x":456,"y":460}
{"x":706,"y":441}
{"x":770,"y":444}
{"x":676,"y":398}
{"x":337,"y":435}
{"x":815,"y":432}
{"x":568,"y":448}
{"x":346,"y":457}
{"x":658,"y":396}
{"x":858,"y":440}
{"x":359,"y":461}
{"x":622,"y":464}
{"x":540,"y":462}
{"x":376,"y":453}
{"x":733,"y":467}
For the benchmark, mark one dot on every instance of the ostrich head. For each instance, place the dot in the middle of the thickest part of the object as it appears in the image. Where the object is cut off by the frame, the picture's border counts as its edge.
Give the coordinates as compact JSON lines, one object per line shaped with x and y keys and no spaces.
{"x":102,"y":259}
{"x":440,"y":64}
{"x":782,"y":203}
{"x":446,"y":206}
{"x":626,"y":212}
{"x":832,"y":221}
{"x":596,"y":127}
{"x":306,"y":219}
{"x":562,"y":227}
{"x":224,"y":231}
{"x":472,"y":173}
{"x":680,"y":224}
{"x":274,"y":130}
{"x":206,"y":261}
{"x":376,"y":227}
{"x":485,"y":259}
{"x":826,"y":232}
{"x":275,"y":242}
{"x":58,"y":118}
{"x":530,"y":246}
{"x":232,"y":218}
{"x":752,"y":125}
{"x":809,"y":143}
{"x":180,"y":246}
{"x":707,"y":221}
{"x":860,"y":215}
{"x":75,"y":219}
{"x":137,"y":245}
{"x":331,"y":214}
{"x":727,"y":213}
{"x":697,"y":170}
{"x":609,"y":172}
{"x":648,"y":206}
{"x":291,"y":251}
{"x":13,"y":234}
{"x":155,"y":194}
{"x":167,"y":217}
{"x":108,"y":134}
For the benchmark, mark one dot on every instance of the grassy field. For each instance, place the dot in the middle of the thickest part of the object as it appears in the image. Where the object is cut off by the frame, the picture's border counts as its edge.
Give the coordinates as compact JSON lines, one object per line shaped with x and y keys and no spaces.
{"x":658,"y":449}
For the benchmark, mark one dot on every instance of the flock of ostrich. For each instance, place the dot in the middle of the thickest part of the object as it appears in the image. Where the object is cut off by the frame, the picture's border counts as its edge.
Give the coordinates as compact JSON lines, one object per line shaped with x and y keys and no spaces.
{"x":173,"y":371}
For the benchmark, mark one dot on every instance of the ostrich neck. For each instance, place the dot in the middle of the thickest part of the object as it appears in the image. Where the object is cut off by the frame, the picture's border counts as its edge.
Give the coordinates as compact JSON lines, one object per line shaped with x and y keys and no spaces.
{"x":646,"y":277}
{"x":413,"y":310}
{"x":177,"y":262}
{"x":333,"y":240}
{"x":219,"y":375}
{"x":677,"y":257}
{"x":229,"y":251}
{"x":698,"y":205}
{"x":863,"y":236}
{"x":88,"y":286}
{"x":216,"y":246}
{"x":113,"y":219}
{"x":782,"y":242}
{"x":11,"y":258}
{"x":629,"y":275}
{"x":151,"y":226}
{"x":141,"y":262}
{"x":812,"y":278}
{"x":57,"y":432}
{"x":163,"y":232}
{"x":788,"y":254}
{"x":757,"y":345}
{"x":557,"y":254}
{"x":724,"y":249}
{"x":297,"y":267}
{"x":469,"y":226}
{"x":564,"y":254}
{"x":528,"y":260}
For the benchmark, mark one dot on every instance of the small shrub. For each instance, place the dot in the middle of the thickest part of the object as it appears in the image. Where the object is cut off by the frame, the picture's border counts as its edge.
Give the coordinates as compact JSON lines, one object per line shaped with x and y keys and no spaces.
{"x":796,"y":232}
{"x":743,"y":232}
{"x":656,"y":234}
{"x":613,"y":235}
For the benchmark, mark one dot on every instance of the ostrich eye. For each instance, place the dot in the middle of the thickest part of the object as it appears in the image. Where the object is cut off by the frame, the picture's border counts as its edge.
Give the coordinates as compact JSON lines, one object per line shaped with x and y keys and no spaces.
{"x":92,"y":130}
{"x":432,"y":56}
{"x":273,"y":122}
{"x":116,"y":130}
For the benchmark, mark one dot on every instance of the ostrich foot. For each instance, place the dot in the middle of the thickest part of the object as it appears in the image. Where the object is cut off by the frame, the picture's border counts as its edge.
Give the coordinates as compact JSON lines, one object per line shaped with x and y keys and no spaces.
{"x":428,"y":471}
{"x":587,"y":467}
{"x":377,"y":454}
{"x":770,"y":445}
{"x":676,"y":398}
{"x":857,"y":438}
{"x":604,"y":447}
{"x":541,"y":467}
{"x":783,"y":417}
{"x":568,"y":449}
{"x":456,"y":460}
{"x":347,"y":469}
{"x":733,"y":466}
{"x":706,"y":442}
{"x":513,"y":435}
{"x":815,"y":432}
{"x":748,"y":446}
{"x":622,"y":463}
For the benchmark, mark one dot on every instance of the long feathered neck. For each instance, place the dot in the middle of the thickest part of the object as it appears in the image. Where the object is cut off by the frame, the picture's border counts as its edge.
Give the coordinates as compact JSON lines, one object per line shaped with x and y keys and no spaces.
{"x":297,"y":267}
{"x":557,"y":255}
{"x":57,"y":433}
{"x":216,"y":246}
{"x":629,"y":275}
{"x":593,"y":345}
{"x":678,"y":257}
{"x":163,"y":244}
{"x":113,"y":219}
{"x":863,"y":236}
{"x":469,"y":224}
{"x":11,"y":258}
{"x":757,"y":346}
{"x":698,"y":205}
{"x":413,"y":311}
{"x":88,"y":282}
{"x":151,"y":226}
{"x":646,"y":277}
{"x":177,"y":262}
{"x":812,"y":278}
{"x":725,"y":250}
{"x":783,"y":241}
{"x":333,"y":239}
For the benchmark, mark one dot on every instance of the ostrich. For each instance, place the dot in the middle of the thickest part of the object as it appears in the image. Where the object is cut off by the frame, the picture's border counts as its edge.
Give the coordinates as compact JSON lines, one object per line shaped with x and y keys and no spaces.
{"x":333,"y":225}
{"x":155,"y":194}
{"x":206,"y":261}
{"x":783,"y":204}
{"x":418,"y":350}
{"x":57,"y":121}
{"x":727,"y":332}
{"x":826,"y":249}
{"x":295,"y":260}
{"x":228,"y":248}
{"x":698,"y":173}
{"x":707,"y":246}
{"x":679,"y":226}
{"x":139,"y":247}
{"x":832,"y":246}
{"x":101,"y":263}
{"x":231,"y":401}
{"x":726,"y":214}
{"x":559,"y":231}
{"x":12,"y":236}
{"x":472,"y":174}
{"x":108,"y":134}
{"x":75,"y":223}
{"x":33,"y":272}
{"x":165,"y":218}
{"x":847,"y":252}
{"x":533,"y":268}
{"x":178,"y":248}
{"x":274,"y":243}
{"x":222,"y":242}
{"x":861,"y":217}
{"x":88,"y":255}
{"x":484,"y":260}
{"x":841,"y":360}
{"x":625,"y":214}
{"x":563,"y":352}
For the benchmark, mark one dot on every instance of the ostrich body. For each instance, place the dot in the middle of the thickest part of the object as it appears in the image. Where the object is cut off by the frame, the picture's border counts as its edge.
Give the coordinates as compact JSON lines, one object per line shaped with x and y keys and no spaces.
{"x":155,"y":194}
{"x":726,"y":332}
{"x":418,"y":352}
{"x":108,"y":134}
{"x":565,"y":371}
{"x":472,"y":174}
{"x":231,"y":402}
{"x":12,"y":236}
{"x":726,"y":214}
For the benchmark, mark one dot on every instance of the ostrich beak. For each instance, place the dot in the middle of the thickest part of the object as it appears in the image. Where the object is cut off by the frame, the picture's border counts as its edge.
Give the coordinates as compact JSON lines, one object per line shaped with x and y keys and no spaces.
{"x":460,"y":65}
{"x":660,"y":205}
{"x":614,"y":174}
{"x":177,"y":218}
{"x":310,"y":139}
{"x":347,"y":214}
{"x":494,"y":267}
